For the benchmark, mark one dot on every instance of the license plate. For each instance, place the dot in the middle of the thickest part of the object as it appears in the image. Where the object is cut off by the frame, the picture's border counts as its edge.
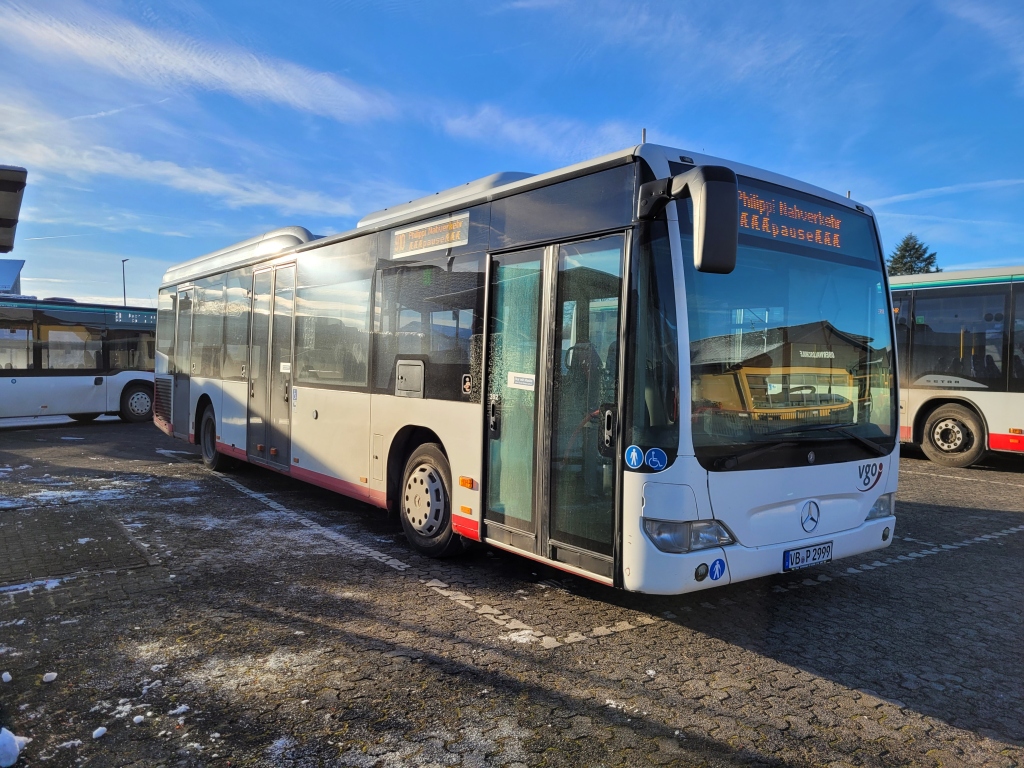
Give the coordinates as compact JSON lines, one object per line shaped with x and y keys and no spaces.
{"x":793,"y":559}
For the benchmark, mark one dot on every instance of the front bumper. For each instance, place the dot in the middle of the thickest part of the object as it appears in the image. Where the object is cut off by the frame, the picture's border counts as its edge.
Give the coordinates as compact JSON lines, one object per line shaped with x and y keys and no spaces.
{"x":666,"y":574}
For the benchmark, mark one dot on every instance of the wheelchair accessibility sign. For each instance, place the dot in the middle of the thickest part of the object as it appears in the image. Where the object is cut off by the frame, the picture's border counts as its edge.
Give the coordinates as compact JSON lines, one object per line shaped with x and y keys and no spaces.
{"x":656,"y":459}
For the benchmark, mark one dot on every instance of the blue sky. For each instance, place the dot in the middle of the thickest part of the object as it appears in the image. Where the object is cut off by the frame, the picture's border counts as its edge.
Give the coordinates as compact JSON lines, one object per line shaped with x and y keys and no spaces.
{"x":160,"y":131}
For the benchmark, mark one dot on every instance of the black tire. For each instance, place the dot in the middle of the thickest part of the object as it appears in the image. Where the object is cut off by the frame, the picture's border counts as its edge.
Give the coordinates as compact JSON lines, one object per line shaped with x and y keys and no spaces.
{"x":136,"y":403}
{"x":954,"y":436}
{"x":84,"y":417}
{"x":424,"y":503}
{"x":212,"y":458}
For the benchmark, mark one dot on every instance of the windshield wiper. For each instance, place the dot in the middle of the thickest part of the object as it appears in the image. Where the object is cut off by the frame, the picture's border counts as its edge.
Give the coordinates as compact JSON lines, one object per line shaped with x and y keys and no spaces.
{"x":843,"y":429}
{"x":731,"y":462}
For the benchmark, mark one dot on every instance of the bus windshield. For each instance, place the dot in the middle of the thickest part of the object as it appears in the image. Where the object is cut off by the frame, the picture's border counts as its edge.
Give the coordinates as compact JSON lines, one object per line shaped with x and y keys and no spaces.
{"x":791,"y":356}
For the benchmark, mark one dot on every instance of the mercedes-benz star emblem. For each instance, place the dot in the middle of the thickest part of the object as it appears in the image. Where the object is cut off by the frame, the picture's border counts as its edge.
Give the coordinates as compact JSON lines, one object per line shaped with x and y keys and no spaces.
{"x":809,"y":516}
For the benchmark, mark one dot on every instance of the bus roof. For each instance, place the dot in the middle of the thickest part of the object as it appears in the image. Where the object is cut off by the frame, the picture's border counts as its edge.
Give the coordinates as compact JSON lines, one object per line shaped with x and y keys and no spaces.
{"x":64,"y":305}
{"x":958,"y":277}
{"x":493,"y":187}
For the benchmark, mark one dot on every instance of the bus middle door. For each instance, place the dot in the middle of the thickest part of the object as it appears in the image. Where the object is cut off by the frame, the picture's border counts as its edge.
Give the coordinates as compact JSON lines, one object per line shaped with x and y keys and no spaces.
{"x":270,"y":367}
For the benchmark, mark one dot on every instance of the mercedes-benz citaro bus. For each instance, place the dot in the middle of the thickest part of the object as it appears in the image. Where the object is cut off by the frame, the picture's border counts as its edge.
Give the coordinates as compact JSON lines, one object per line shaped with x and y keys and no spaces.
{"x":657,"y":370}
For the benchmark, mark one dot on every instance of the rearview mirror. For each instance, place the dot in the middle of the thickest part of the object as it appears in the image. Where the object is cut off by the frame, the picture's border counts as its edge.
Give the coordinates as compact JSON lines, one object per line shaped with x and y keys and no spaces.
{"x":714,"y":192}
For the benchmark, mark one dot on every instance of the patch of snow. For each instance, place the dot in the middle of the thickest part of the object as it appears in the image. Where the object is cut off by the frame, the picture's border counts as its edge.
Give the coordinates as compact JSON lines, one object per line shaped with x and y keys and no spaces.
{"x":12,"y":623}
{"x":138,"y":719}
{"x":49,"y":677}
{"x":70,"y":744}
{"x":72,"y":438}
{"x":99,"y":732}
{"x":277,"y":749}
{"x":74,"y":497}
{"x":157,"y":667}
{"x":6,"y":677}
{"x":180,"y":710}
{"x":524,"y":636}
{"x":147,"y":686}
{"x":6,"y":502}
{"x":86,"y":540}
{"x":29,"y":586}
{"x":5,"y":649}
{"x":10,"y":747}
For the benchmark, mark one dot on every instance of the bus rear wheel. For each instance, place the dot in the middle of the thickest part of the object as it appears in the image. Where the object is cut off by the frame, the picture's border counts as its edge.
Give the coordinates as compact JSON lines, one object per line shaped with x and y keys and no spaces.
{"x":84,"y":417}
{"x":212,"y":458}
{"x":136,"y":403}
{"x":954,"y":436}
{"x":425,"y":505}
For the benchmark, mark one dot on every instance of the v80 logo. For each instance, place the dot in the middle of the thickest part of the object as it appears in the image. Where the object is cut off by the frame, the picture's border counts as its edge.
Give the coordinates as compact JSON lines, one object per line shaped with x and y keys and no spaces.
{"x":869,"y":474}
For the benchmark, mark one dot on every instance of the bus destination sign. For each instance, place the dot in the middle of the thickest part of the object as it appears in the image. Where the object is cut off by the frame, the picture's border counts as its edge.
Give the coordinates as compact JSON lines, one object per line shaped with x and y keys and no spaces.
{"x":780,"y":217}
{"x":430,"y":236}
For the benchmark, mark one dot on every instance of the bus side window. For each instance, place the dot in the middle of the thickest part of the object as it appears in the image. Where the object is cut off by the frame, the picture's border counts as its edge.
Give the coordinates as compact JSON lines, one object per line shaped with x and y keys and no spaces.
{"x":961,"y":333}
{"x":16,"y":339}
{"x":1017,"y":341}
{"x":431,"y":312}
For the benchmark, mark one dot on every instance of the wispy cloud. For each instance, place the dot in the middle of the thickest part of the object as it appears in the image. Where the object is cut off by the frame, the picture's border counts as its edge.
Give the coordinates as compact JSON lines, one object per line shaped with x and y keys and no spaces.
{"x":1005,"y":27}
{"x":60,"y":150}
{"x":553,"y":137}
{"x":166,"y":60}
{"x":952,"y":189}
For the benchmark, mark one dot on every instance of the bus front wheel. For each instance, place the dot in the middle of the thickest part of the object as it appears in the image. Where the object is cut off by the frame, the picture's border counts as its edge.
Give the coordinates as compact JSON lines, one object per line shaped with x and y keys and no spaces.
{"x":212,"y":458}
{"x":425,"y":503}
{"x":136,"y":403}
{"x":954,"y":436}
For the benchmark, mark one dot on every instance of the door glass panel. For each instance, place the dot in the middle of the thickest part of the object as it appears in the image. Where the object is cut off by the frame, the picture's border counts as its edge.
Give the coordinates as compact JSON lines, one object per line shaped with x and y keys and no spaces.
{"x":182,"y":359}
{"x":258,"y":363}
{"x":511,"y":396}
{"x":279,"y":438}
{"x":584,"y":389}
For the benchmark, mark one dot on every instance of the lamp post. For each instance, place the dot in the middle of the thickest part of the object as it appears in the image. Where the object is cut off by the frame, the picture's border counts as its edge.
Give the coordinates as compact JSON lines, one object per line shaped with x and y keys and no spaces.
{"x":124,"y":287}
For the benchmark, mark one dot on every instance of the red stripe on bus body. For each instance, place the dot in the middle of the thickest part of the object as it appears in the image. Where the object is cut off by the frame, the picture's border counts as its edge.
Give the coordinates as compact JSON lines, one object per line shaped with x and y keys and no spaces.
{"x":230,"y":450}
{"x":906,"y":434}
{"x":466,"y":526}
{"x":1006,"y":442}
{"x":344,"y":487}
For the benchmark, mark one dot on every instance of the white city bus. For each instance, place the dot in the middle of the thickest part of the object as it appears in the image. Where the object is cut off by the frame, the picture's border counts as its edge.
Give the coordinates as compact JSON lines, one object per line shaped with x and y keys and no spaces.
{"x":960,"y":344}
{"x":63,"y":358}
{"x":556,"y":366}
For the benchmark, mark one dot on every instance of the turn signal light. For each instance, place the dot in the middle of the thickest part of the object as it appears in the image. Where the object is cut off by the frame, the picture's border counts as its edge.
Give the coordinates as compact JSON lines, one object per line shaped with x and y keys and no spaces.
{"x":467,"y":482}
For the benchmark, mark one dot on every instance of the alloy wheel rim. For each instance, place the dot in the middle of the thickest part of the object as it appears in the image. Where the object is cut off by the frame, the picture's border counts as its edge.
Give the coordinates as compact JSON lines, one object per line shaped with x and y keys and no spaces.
{"x":950,"y":435}
{"x":139,"y":403}
{"x":425,"y":500}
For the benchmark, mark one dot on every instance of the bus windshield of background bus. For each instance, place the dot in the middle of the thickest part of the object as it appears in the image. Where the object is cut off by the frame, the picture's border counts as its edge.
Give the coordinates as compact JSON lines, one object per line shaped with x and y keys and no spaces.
{"x":794,"y":346}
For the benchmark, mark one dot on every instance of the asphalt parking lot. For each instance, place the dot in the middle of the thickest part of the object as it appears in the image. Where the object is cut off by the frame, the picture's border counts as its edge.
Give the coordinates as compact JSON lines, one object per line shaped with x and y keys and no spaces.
{"x":251,"y":620}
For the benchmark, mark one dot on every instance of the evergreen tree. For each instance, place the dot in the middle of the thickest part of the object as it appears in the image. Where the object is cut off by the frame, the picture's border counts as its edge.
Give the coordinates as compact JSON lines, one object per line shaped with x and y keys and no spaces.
{"x":911,"y":257}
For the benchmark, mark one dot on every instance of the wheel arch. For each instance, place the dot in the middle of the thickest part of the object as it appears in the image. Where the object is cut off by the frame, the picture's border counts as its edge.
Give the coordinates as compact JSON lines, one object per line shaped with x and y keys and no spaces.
{"x":204,"y":402}
{"x":405,"y":441}
{"x":929,"y":407}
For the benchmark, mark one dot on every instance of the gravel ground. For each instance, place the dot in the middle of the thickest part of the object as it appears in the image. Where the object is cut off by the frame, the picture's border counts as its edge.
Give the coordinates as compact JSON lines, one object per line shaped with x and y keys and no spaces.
{"x":252,"y":620}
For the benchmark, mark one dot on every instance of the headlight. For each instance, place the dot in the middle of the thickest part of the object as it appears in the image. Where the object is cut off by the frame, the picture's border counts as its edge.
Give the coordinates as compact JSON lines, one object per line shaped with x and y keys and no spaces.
{"x":884,"y":506}
{"x":675,"y":537}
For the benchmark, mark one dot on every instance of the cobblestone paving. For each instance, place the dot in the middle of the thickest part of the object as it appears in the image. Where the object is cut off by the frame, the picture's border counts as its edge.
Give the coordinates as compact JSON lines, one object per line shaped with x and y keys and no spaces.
{"x":252,"y":620}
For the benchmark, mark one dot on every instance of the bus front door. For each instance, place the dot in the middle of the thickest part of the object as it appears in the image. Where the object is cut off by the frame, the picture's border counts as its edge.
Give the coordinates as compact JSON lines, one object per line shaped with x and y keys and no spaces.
{"x":270,"y":367}
{"x":551,"y":407}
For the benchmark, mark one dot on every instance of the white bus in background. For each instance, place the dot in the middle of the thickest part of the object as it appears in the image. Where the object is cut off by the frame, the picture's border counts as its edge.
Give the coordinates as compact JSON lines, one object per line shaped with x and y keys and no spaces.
{"x":960,"y":342}
{"x":556,"y":366}
{"x":63,"y":358}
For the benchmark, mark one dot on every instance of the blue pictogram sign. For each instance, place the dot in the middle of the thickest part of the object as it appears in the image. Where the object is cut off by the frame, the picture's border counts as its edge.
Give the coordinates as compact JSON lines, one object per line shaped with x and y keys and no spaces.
{"x":717,"y":569}
{"x":656,"y":459}
{"x":634,"y":457}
